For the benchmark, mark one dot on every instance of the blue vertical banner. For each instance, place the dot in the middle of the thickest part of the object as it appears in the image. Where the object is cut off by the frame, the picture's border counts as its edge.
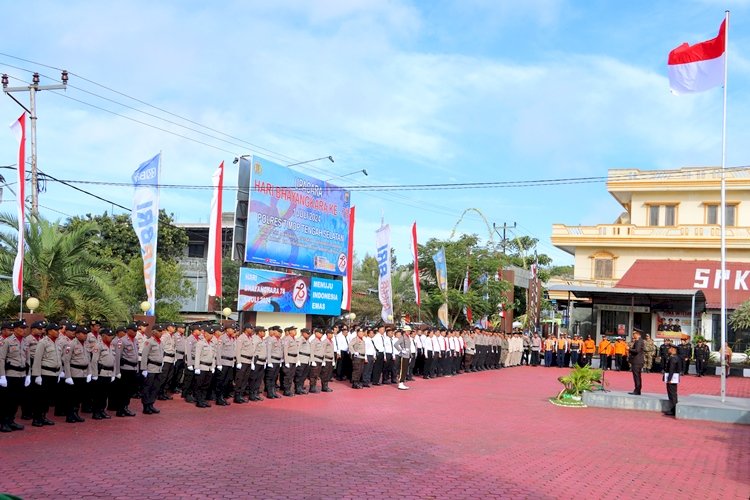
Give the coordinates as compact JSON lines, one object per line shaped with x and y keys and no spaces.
{"x":145,"y":219}
{"x":383,"y":255}
{"x":441,"y":272}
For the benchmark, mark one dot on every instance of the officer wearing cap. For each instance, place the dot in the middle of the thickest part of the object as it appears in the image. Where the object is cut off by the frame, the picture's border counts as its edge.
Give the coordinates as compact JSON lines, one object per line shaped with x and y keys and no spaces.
{"x":152,"y":361}
{"x":188,"y":383}
{"x":105,"y":368}
{"x":167,"y":371}
{"x":14,"y":378}
{"x":77,"y":366}
{"x":225,"y":361}
{"x":326,"y":371}
{"x":258,"y":366}
{"x":317,"y":353}
{"x":45,"y":370}
{"x":274,"y":357}
{"x":303,"y":365}
{"x":126,"y":350}
{"x":291,"y":355}
{"x":67,"y":335}
{"x":31,"y":341}
{"x":179,"y":372}
{"x":243,"y":356}
{"x":359,"y":358}
{"x":205,"y":366}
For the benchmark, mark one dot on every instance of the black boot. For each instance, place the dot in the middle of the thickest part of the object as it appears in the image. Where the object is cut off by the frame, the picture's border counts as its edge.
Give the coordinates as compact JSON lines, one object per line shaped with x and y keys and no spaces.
{"x":326,"y":388}
{"x":154,"y":409}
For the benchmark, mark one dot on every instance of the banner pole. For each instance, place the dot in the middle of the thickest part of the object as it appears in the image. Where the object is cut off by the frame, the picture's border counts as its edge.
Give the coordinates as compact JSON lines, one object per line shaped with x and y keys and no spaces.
{"x":722,"y":216}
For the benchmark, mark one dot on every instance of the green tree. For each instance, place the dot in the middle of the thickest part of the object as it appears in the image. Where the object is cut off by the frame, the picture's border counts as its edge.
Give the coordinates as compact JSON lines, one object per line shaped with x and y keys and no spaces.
{"x":740,"y":317}
{"x":63,"y":270}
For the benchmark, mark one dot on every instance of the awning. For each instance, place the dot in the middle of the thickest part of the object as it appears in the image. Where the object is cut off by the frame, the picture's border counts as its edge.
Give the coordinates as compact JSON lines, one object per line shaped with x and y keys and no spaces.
{"x":659,"y":299}
{"x":701,"y":275}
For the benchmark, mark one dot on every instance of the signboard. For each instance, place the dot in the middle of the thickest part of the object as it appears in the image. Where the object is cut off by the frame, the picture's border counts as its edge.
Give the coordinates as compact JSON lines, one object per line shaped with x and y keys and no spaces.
{"x":270,"y":291}
{"x":672,"y":325}
{"x":296,"y":221}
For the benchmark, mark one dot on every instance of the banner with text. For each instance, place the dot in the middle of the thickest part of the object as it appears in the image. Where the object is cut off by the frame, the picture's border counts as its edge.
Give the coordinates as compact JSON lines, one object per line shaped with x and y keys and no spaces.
{"x":145,"y":219}
{"x":270,"y":291}
{"x":296,"y":221}
{"x":383,"y":255}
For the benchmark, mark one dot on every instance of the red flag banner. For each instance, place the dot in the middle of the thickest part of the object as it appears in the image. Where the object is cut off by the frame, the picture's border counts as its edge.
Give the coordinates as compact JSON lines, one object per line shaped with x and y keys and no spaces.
{"x":699,"y":67}
{"x":18,"y":128}
{"x":213,"y":264}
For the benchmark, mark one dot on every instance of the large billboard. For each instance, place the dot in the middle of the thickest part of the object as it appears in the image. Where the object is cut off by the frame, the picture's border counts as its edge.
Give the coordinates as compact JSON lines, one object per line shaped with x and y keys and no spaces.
{"x":270,"y":291}
{"x":296,"y":221}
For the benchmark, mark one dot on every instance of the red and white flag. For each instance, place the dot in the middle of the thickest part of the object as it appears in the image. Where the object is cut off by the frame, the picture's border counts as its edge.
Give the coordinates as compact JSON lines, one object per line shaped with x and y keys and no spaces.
{"x":18,"y":128}
{"x":467,"y":309}
{"x":415,"y":256}
{"x":213,"y":266}
{"x":699,"y":67}
{"x":346,"y":295}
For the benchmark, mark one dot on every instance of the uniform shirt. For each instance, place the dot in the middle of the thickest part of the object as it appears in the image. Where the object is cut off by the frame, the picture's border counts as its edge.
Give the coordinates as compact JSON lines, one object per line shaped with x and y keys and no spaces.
{"x":14,"y":357}
{"x":327,"y":351}
{"x":31,"y":342}
{"x":104,"y":363}
{"x":290,"y":349}
{"x":536,"y":344}
{"x":190,"y":349}
{"x":369,"y":347}
{"x":244,"y":348}
{"x":259,"y":350}
{"x":140,"y":339}
{"x":274,"y":353}
{"x":303,"y":348}
{"x":167,"y":344}
{"x":152,"y":357}
{"x":435,"y":341}
{"x":76,"y":359}
{"x":205,"y":354}
{"x":469,"y":343}
{"x":47,"y":359}
{"x":416,"y":340}
{"x":318,"y":351}
{"x":92,"y":341}
{"x":180,"y":342}
{"x":357,"y":347}
{"x":127,"y":349}
{"x":225,"y":351}
{"x":562,"y":344}
{"x":388,"y":344}
{"x":403,"y":346}
{"x":425,"y":341}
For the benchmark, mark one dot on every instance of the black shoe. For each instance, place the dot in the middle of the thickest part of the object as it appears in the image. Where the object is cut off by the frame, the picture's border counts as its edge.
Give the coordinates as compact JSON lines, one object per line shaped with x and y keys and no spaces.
{"x":164,"y":398}
{"x":25,"y":416}
{"x":288,"y":394}
{"x":221,"y":402}
{"x":669,"y":414}
{"x":154,"y":409}
{"x":354,"y":386}
{"x":240,"y":401}
{"x":5,"y":428}
{"x":120,"y":414}
{"x":376,"y":383}
{"x":203,"y":405}
{"x":634,"y":393}
{"x":47,"y":421}
{"x":128,"y":412}
{"x":315,"y":391}
{"x":79,"y":418}
{"x":190,"y":399}
{"x":326,"y":389}
{"x":97,"y":416}
{"x":104,"y":415}
{"x":71,"y":420}
{"x":37,"y":423}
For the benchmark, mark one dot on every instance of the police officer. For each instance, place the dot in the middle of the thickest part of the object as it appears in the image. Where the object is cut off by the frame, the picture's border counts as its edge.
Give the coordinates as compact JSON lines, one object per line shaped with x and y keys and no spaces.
{"x":14,"y":378}
{"x":45,"y":371}
{"x":152,"y":363}
{"x":359,"y":358}
{"x":204,"y":366}
{"x":258,"y":367}
{"x":244,"y":350}
{"x":326,"y":371}
{"x":31,"y":341}
{"x":180,"y":342}
{"x":188,"y":383}
{"x":105,"y":366}
{"x":77,"y":366}
{"x":126,"y":349}
{"x":274,"y":357}
{"x":167,"y":340}
{"x":317,"y":353}
{"x":225,"y":361}
{"x":701,"y":353}
{"x":685,"y":351}
{"x":303,"y":368}
{"x":291,"y":353}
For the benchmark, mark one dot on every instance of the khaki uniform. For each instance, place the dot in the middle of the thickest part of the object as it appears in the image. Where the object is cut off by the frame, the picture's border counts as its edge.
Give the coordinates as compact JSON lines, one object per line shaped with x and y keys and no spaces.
{"x":76,"y":361}
{"x":274,"y":357}
{"x":303,"y":367}
{"x":204,"y":364}
{"x":326,"y":372}
{"x":317,"y":356}
{"x":45,"y":371}
{"x":244,"y":350}
{"x":225,"y":361}
{"x":258,"y":368}
{"x":357,"y":351}
{"x":152,"y":361}
{"x":106,"y":366}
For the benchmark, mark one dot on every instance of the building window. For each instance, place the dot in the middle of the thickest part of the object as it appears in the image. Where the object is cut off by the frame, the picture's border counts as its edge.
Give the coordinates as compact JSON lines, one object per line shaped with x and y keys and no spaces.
{"x":712,"y":214}
{"x":603,"y":268}
{"x":196,"y":250}
{"x":655,"y":217}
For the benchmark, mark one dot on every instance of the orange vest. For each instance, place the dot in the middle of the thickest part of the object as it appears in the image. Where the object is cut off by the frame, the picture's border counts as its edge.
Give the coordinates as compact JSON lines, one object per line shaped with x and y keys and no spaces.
{"x":589,"y":346}
{"x":621,"y":347}
{"x":604,"y":346}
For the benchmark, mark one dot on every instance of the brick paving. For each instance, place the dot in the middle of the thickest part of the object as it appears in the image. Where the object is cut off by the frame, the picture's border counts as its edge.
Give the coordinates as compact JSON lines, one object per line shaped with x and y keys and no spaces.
{"x":484,"y":435}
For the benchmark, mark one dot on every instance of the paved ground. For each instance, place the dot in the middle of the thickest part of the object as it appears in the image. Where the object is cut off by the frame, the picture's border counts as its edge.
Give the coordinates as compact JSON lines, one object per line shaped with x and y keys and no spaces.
{"x":485,"y":435}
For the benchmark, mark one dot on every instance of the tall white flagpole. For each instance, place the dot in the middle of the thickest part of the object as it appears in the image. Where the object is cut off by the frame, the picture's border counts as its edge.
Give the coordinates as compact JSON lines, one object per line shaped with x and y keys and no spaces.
{"x":722,"y":215}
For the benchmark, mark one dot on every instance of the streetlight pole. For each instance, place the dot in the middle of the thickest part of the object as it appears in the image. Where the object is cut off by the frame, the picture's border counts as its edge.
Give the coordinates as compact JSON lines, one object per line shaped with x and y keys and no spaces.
{"x":32,"y":90}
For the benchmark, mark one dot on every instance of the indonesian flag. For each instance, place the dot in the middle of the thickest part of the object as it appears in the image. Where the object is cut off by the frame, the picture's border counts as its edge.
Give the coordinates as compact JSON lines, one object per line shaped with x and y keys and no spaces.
{"x":18,"y":128}
{"x":698,"y":67}
{"x":213,"y":266}
{"x":415,"y":256}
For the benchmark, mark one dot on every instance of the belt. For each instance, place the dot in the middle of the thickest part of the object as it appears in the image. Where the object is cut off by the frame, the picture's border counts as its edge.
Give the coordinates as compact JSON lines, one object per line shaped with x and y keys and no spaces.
{"x":155,"y":363}
{"x":51,"y":368}
{"x":9,"y":366}
{"x":79,"y":367}
{"x":102,"y":367}
{"x":275,"y":359}
{"x":128,"y":363}
{"x":169,"y":354}
{"x":228,"y":358}
{"x":248,"y":359}
{"x":262,"y":360}
{"x":292,"y":355}
{"x":319,"y":358}
{"x":180,"y":352}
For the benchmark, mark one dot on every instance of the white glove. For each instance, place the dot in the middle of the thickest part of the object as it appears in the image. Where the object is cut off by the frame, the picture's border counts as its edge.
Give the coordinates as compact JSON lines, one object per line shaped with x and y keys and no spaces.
{"x":313,"y":364}
{"x":252,"y":366}
{"x":62,"y":375}
{"x":144,"y":373}
{"x":3,"y":381}
{"x":94,"y":378}
{"x":88,"y":378}
{"x":239,"y":366}
{"x":213,"y":370}
{"x":69,"y":381}
{"x":286,"y":365}
{"x":119,"y":375}
{"x":112,"y":379}
{"x":27,"y":381}
{"x":297,"y":363}
{"x":218,"y":367}
{"x":38,"y":380}
{"x":197,"y":372}
{"x":190,"y":368}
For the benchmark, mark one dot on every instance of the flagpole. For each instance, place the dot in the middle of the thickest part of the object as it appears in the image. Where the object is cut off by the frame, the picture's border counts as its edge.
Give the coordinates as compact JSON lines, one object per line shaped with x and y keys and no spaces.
{"x":723,"y":208}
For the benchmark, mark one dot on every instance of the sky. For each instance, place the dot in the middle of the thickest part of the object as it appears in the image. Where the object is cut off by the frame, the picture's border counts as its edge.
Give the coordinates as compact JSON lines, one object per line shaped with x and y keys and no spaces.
{"x":412,"y":92}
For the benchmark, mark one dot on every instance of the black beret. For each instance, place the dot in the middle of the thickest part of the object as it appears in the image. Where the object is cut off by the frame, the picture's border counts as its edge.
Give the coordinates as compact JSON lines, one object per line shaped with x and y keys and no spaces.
{"x":158,"y":327}
{"x":105,"y":331}
{"x":39,"y":324}
{"x":248,"y":325}
{"x":305,"y":330}
{"x":131,"y":326}
{"x":51,"y":326}
{"x":21,"y":323}
{"x":7,"y":324}
{"x":120,"y":329}
{"x":195,"y":327}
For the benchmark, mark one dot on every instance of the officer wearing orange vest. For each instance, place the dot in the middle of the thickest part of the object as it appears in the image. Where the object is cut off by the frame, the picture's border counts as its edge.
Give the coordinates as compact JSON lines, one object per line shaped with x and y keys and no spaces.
{"x":576,"y":345}
{"x":621,"y":350}
{"x":589,"y":349}
{"x":604,"y":360}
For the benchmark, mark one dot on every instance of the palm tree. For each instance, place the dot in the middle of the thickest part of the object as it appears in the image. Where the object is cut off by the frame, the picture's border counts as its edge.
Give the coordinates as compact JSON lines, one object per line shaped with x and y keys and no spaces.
{"x":68,"y":279}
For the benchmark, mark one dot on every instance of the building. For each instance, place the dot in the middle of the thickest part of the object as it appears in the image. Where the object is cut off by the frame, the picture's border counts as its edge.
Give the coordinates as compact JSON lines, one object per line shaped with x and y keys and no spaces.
{"x":668,"y":239}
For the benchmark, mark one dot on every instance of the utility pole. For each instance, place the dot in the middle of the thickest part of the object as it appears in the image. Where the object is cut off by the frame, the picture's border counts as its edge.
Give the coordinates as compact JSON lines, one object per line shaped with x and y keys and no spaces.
{"x":504,"y":241}
{"x":32,"y":90}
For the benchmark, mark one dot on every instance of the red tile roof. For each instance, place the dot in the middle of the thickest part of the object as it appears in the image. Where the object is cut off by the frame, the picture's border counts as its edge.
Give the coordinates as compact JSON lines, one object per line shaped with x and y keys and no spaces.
{"x":703,"y":275}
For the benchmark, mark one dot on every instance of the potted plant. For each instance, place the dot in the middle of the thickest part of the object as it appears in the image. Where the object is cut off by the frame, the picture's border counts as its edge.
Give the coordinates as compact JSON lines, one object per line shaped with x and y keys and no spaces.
{"x":581,"y":378}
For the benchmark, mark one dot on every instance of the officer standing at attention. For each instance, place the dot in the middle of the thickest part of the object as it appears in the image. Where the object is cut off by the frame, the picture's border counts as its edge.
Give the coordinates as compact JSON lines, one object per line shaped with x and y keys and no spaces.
{"x":180,"y":344}
{"x":635,"y":355}
{"x":672,"y":370}
{"x":258,"y":368}
{"x":359,"y":358}
{"x":205,"y":365}
{"x":31,"y":341}
{"x":225,"y":363}
{"x":167,"y":371}
{"x":77,"y":366}
{"x":702,"y":353}
{"x":244,"y":350}
{"x":188,"y":383}
{"x":274,"y":356}
{"x":317,"y":352}
{"x":152,"y":361}
{"x":14,"y":361}
{"x":127,"y":352}
{"x":291,"y":353}
{"x":46,"y":371}
{"x":326,"y":371}
{"x":105,"y":368}
{"x":402,"y":347}
{"x":303,"y":367}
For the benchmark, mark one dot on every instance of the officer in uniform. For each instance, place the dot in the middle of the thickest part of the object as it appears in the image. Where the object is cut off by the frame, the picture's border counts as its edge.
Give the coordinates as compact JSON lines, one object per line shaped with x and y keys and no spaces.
{"x":126,"y":350}
{"x":258,"y":367}
{"x":359,"y":358}
{"x":635,"y":357}
{"x":274,"y":357}
{"x":402,"y":348}
{"x":304,"y":356}
{"x":106,"y":367}
{"x":180,"y":342}
{"x":167,"y":372}
{"x":31,"y":341}
{"x":45,"y":370}
{"x":326,"y":371}
{"x":152,"y":364}
{"x":685,"y":351}
{"x":317,"y":355}
{"x":14,"y":378}
{"x":76,"y":361}
{"x":67,"y":335}
{"x":291,"y":353}
{"x":649,"y":350}
{"x":702,"y":353}
{"x":244,"y":350}
{"x":205,"y":365}
{"x":188,"y":383}
{"x":225,"y":361}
